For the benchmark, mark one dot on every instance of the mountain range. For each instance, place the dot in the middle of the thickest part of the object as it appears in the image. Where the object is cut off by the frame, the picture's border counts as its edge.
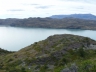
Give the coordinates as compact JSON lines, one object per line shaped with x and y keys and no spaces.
{"x":65,"y":23}
{"x":57,"y":53}
{"x":80,"y":16}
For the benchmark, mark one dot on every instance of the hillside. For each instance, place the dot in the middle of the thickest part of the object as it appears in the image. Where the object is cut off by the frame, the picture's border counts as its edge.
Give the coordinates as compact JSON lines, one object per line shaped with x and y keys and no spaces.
{"x":4,"y":52}
{"x":66,"y":23}
{"x":80,"y":16}
{"x":57,"y":53}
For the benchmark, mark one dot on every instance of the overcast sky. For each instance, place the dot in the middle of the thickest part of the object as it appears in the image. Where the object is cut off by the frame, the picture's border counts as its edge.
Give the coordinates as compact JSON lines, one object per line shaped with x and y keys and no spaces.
{"x":45,"y":8}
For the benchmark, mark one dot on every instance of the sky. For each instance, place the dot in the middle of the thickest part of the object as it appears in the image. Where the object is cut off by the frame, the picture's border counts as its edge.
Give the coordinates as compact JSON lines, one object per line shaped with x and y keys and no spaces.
{"x":45,"y":8}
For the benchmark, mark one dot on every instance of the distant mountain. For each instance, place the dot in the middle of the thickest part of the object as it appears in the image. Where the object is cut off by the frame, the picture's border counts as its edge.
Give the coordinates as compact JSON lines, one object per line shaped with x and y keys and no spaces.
{"x":81,"y":16}
{"x":65,"y":23}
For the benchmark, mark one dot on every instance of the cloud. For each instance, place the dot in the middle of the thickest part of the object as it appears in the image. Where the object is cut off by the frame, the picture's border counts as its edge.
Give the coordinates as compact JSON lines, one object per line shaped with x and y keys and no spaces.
{"x":38,"y":6}
{"x":33,"y":4}
{"x":82,"y":1}
{"x":44,"y":7}
{"x":15,"y":10}
{"x":80,"y":7}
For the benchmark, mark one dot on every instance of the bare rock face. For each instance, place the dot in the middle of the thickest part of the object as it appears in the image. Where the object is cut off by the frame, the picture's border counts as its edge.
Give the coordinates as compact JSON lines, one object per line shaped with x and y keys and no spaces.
{"x":73,"y":68}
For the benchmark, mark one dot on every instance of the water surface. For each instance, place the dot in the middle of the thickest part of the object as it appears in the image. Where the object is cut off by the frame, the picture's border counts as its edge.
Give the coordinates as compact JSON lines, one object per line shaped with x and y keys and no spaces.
{"x":15,"y":38}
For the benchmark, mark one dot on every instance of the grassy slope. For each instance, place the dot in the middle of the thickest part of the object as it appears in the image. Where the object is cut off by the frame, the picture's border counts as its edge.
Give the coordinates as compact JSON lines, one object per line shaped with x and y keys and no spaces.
{"x":52,"y":55}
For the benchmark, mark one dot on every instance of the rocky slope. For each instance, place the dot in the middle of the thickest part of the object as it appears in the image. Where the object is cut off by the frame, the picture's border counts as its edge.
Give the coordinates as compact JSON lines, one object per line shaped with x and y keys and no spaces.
{"x":57,"y":53}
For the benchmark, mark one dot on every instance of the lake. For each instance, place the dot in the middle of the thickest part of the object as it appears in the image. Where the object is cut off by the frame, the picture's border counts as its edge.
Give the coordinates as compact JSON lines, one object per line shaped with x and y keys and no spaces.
{"x":15,"y":38}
